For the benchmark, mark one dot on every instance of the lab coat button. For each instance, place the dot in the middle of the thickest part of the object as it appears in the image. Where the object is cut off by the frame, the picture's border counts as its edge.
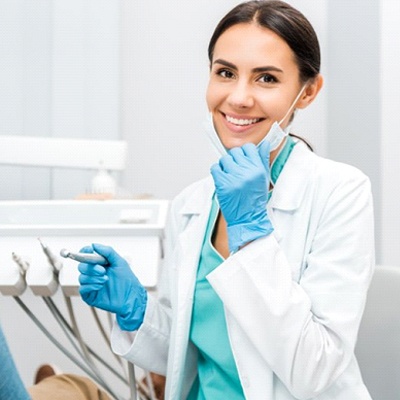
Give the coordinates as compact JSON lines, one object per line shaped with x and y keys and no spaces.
{"x":245,"y":381}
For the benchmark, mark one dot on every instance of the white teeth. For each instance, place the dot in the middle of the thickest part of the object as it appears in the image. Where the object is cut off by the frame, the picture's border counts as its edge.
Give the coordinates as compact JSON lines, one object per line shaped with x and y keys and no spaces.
{"x":241,"y":121}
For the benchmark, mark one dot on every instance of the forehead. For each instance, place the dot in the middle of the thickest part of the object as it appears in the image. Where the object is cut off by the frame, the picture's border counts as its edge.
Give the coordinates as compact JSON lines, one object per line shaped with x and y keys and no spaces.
{"x":252,"y":44}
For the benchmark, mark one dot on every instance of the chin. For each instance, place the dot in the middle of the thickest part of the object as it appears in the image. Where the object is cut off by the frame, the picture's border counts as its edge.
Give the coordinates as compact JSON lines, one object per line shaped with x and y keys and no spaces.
{"x":237,"y":143}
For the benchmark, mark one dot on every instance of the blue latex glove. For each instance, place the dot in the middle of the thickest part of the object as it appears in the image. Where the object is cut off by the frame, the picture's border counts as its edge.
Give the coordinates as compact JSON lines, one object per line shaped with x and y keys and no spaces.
{"x":113,"y":288}
{"x":241,"y":182}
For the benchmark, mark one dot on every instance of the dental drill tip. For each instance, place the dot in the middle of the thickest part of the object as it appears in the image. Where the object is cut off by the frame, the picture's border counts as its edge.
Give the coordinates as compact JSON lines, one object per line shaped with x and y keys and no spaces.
{"x":64,"y":253}
{"x":41,"y":243}
{"x":90,"y":258}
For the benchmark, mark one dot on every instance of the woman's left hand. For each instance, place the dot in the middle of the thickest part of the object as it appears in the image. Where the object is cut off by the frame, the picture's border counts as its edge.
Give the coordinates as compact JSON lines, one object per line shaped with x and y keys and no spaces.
{"x":241,"y":181}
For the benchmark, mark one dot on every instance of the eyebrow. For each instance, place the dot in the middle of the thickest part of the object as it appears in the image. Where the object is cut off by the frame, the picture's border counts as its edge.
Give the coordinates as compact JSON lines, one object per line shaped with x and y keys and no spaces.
{"x":256,"y":70}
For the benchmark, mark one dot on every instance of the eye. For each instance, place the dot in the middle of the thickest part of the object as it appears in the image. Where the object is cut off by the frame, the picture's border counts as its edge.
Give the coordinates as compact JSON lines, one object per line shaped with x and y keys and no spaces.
{"x":267,"y":78}
{"x":225,"y":73}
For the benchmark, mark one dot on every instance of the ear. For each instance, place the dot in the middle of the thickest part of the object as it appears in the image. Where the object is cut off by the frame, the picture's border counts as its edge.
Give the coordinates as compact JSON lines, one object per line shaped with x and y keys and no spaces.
{"x":310,"y":92}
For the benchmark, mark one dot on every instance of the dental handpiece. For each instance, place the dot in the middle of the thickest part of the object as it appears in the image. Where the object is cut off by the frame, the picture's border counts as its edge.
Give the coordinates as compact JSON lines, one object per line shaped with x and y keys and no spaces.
{"x":53,"y":260}
{"x":22,"y":264}
{"x":89,"y":258}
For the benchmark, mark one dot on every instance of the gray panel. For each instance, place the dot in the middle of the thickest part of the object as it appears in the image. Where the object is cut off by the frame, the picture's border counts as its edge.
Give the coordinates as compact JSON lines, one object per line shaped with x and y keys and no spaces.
{"x":36,"y":182}
{"x":353,"y":81}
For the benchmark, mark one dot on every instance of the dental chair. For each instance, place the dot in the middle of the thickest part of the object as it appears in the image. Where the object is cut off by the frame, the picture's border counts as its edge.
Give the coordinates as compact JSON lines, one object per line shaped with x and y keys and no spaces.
{"x":378,"y":346}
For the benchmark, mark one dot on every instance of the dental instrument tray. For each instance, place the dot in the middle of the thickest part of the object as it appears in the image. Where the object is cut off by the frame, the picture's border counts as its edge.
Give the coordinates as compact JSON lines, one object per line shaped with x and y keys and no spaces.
{"x":134,"y":228}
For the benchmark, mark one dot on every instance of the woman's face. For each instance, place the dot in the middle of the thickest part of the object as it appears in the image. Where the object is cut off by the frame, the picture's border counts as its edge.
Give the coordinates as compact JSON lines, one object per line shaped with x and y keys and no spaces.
{"x":254,"y":80}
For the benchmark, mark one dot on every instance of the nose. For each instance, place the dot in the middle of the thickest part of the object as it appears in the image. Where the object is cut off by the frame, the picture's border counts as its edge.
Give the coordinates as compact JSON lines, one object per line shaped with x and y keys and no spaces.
{"x":240,"y":95}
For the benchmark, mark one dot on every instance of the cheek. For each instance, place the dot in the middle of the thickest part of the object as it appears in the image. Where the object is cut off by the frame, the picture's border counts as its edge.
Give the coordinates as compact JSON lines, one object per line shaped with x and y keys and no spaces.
{"x":209,"y":98}
{"x":213,"y":95}
{"x":268,"y":97}
{"x":272,"y":104}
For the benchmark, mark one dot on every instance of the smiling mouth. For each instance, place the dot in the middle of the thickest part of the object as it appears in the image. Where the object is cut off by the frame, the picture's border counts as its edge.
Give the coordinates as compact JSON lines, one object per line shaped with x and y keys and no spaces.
{"x":242,"y":121}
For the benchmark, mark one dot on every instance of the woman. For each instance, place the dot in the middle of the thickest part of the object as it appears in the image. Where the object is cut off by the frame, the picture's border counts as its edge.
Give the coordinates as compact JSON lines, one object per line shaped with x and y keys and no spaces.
{"x":267,"y":262}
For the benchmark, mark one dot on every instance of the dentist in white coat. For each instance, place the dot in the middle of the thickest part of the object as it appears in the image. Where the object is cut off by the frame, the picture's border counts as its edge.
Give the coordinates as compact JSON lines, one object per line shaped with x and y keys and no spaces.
{"x":268,"y":260}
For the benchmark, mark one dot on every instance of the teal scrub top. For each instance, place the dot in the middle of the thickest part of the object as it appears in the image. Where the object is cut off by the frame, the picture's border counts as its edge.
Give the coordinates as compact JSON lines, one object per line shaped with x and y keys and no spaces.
{"x":217,"y":377}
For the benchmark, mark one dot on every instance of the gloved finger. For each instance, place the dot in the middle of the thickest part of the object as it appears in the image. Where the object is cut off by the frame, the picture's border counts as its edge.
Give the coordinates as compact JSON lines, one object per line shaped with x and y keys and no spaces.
{"x":218,"y":175}
{"x":216,"y":171}
{"x":251,"y":152}
{"x":237,"y":155}
{"x":91,"y":269}
{"x":264,"y":150}
{"x":86,"y":249}
{"x":92,"y":280}
{"x":227,"y":164}
{"x":87,"y":289}
{"x":108,"y":252}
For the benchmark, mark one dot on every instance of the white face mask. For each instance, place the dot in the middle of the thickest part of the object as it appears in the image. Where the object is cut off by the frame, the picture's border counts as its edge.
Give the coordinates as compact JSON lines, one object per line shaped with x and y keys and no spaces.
{"x":275,"y":134}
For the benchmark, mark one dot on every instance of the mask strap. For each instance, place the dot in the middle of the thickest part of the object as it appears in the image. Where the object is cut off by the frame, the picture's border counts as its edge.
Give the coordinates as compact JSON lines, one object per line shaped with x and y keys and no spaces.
{"x":294,"y":102}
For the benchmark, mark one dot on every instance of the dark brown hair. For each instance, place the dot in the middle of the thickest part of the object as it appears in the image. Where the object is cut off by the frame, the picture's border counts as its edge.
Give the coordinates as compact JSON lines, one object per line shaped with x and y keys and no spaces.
{"x":287,"y":22}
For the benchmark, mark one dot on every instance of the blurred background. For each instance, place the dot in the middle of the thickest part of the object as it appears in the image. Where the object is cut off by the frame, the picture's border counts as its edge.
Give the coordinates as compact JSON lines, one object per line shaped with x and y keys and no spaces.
{"x":137,"y":71}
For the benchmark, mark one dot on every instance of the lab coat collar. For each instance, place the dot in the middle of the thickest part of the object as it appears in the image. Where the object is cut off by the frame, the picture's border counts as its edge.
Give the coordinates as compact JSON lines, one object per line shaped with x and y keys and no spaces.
{"x":200,"y":199}
{"x":291,"y":186}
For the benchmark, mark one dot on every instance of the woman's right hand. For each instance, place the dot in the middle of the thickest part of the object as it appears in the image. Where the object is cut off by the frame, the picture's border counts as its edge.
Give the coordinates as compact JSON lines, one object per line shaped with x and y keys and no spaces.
{"x":113,"y":288}
{"x":241,"y":183}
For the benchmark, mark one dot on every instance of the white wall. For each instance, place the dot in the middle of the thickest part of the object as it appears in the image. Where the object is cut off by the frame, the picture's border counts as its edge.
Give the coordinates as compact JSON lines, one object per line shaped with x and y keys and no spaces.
{"x":25,"y":103}
{"x":59,"y":77}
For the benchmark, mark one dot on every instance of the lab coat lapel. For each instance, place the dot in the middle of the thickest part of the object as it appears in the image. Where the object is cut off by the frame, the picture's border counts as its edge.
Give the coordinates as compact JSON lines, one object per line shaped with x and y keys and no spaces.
{"x":196,"y":210}
{"x":291,"y":186}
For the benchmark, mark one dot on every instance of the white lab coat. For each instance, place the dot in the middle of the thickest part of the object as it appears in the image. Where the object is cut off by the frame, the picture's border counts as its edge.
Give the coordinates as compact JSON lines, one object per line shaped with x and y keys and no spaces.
{"x":293,"y":300}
